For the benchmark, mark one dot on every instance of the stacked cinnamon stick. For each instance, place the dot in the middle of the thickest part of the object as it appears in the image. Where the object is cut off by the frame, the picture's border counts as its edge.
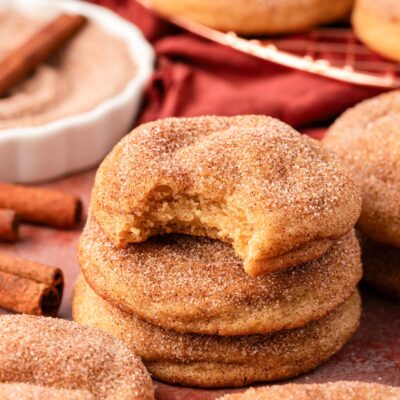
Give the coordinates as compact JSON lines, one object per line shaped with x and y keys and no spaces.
{"x":26,"y":286}
{"x":37,"y":205}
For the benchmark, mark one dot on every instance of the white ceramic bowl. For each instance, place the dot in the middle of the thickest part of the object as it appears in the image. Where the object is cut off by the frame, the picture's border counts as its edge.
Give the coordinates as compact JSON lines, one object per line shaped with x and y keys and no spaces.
{"x":32,"y":154}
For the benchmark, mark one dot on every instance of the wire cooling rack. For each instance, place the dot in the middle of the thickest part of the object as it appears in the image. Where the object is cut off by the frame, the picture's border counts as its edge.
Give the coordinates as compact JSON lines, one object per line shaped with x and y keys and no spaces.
{"x":331,"y":52}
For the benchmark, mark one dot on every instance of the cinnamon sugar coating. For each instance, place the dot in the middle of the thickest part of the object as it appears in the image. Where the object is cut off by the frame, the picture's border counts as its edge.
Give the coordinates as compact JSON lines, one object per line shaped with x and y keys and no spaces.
{"x":278,"y":197}
{"x":340,"y":390}
{"x":198,"y":285}
{"x":24,"y":391}
{"x":211,"y":361}
{"x":367,"y":138}
{"x":381,"y":264}
{"x":59,"y":354}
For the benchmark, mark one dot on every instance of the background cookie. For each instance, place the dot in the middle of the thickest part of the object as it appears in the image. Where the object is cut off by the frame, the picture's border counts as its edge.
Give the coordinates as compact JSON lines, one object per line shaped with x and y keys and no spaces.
{"x":367,"y":138}
{"x":381,"y":264}
{"x":377,"y":24}
{"x":257,"y":17}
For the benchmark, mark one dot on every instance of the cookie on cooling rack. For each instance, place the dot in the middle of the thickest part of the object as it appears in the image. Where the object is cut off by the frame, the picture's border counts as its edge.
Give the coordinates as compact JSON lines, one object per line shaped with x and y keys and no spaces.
{"x":377,"y":24}
{"x":255,"y":17}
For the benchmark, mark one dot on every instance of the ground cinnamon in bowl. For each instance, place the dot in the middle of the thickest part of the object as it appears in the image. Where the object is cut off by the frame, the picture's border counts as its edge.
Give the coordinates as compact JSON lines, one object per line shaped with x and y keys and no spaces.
{"x":92,"y":68}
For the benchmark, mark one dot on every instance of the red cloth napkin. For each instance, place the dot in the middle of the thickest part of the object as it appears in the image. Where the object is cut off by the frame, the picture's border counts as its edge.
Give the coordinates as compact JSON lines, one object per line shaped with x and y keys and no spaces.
{"x":196,"y":77}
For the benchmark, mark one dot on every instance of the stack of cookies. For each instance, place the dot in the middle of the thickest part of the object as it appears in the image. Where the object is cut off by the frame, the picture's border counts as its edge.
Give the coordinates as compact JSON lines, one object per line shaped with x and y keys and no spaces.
{"x":222,"y":250}
{"x":367,"y":138}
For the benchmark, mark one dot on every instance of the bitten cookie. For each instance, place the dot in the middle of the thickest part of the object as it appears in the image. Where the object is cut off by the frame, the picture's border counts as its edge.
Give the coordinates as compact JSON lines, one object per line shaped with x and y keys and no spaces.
{"x":278,"y":197}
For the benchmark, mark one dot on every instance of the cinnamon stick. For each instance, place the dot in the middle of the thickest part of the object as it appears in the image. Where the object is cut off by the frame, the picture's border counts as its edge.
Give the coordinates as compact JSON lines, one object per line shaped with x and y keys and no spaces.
{"x":24,"y":59}
{"x":9,"y":226}
{"x":29,"y":287}
{"x":42,"y":206}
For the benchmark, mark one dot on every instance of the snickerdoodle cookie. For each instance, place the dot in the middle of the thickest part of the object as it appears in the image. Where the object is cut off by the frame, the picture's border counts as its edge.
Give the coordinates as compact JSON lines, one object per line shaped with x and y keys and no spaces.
{"x":59,"y":354}
{"x":340,"y":390}
{"x":253,"y":17}
{"x":24,"y":391}
{"x":278,"y":197}
{"x":377,"y":24}
{"x":198,"y":285}
{"x":367,"y":138}
{"x":381,"y":264}
{"x":211,"y":361}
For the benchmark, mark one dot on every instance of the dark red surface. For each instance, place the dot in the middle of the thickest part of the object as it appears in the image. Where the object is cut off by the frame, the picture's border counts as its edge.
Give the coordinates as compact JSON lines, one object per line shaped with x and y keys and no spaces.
{"x":372,"y":355}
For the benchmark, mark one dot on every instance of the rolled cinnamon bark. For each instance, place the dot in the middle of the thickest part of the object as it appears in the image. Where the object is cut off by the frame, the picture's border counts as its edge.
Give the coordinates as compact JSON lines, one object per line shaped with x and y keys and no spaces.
{"x":29,"y":287}
{"x":20,"y":62}
{"x":9,"y":227}
{"x":42,"y":206}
